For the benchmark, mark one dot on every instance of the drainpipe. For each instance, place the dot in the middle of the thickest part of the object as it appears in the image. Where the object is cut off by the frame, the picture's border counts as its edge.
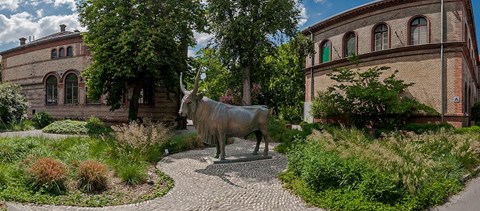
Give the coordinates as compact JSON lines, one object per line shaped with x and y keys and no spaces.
{"x":442,"y":62}
{"x":312,"y":59}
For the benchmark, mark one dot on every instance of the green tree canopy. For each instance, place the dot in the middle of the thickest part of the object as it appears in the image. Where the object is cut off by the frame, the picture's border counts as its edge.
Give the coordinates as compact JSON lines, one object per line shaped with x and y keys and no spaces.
{"x":283,"y":78}
{"x":245,"y":30}
{"x":135,"y":43}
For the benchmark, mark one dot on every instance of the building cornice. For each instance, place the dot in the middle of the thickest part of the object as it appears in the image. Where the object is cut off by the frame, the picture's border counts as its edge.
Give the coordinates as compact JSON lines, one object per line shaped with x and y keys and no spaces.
{"x":40,"y":43}
{"x":408,"y":51}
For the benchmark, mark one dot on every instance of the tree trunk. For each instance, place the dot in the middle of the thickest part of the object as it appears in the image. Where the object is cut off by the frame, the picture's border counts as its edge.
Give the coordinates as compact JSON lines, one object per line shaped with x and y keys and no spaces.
{"x":133,"y":107}
{"x":247,"y":92}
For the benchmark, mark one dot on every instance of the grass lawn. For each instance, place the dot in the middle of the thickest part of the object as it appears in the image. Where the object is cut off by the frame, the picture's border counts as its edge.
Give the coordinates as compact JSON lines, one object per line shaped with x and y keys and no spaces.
{"x":60,"y":180}
{"x":343,"y":169}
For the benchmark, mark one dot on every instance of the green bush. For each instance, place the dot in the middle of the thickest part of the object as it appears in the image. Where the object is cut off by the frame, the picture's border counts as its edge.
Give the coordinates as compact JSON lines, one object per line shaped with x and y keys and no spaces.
{"x":13,"y":105}
{"x":476,"y":112}
{"x":67,"y":127}
{"x":41,"y":120}
{"x":23,"y":125}
{"x":419,"y":128}
{"x":343,"y":169}
{"x":473,"y":129}
{"x":184,"y":142}
{"x":361,"y":99}
{"x":96,"y":127}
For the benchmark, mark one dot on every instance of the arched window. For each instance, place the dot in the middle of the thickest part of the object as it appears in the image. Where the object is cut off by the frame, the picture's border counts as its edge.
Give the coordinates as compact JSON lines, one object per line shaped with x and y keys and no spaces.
{"x":51,"y":91}
{"x":381,"y":37}
{"x":69,"y":51}
{"x":54,"y":53}
{"x":418,"y":31}
{"x":325,"y":52}
{"x":71,"y":89}
{"x":61,"y":52}
{"x":349,"y":44}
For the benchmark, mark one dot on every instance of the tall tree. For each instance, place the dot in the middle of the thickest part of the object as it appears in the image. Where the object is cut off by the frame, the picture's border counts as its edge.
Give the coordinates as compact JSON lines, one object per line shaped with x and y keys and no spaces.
{"x":283,"y":78}
{"x":137,"y":42}
{"x":246,"y":29}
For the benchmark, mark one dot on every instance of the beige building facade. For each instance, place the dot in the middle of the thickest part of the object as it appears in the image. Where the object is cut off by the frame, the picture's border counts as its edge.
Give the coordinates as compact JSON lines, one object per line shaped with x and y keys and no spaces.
{"x":405,"y":35}
{"x":49,"y":72}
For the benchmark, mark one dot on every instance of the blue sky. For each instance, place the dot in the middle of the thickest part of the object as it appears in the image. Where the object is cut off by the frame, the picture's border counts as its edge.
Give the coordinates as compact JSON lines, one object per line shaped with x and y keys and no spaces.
{"x":24,"y":18}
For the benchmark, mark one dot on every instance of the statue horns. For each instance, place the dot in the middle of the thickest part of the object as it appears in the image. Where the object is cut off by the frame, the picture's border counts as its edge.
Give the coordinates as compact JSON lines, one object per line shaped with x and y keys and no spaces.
{"x":181,"y":84}
{"x":195,"y":86}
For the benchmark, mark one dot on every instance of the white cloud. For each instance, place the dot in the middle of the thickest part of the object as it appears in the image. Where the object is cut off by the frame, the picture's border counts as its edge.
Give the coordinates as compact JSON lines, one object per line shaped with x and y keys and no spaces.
{"x":40,"y":13}
{"x":25,"y":25}
{"x":58,"y":3}
{"x":9,"y":4}
{"x":191,"y":53}
{"x":303,"y":15}
{"x":202,"y":38}
{"x":320,"y":1}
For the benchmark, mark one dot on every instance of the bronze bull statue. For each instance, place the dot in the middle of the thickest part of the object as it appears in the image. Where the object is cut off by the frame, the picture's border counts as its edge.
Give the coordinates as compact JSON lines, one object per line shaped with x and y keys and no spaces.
{"x":216,"y":121}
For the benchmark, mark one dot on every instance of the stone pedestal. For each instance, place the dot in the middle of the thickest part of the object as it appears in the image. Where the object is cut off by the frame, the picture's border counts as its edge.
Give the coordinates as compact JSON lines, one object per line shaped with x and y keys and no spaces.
{"x":238,"y":158}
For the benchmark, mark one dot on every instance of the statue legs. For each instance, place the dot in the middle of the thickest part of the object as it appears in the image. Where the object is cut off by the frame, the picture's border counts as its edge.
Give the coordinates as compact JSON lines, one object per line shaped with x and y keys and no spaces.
{"x":222,"y":141}
{"x":258,"y":134}
{"x":218,"y":150}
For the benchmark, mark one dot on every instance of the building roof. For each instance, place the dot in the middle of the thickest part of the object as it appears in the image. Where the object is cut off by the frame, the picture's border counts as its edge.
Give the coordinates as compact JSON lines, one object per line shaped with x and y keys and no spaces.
{"x":47,"y":39}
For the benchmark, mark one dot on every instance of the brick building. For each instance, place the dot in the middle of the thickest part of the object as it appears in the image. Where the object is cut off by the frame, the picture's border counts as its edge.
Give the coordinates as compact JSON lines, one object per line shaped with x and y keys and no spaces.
{"x":49,"y":72}
{"x":405,"y":35}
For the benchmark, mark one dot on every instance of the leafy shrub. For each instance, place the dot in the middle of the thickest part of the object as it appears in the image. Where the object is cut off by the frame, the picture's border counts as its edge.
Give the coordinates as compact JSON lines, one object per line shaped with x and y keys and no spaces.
{"x":476,"y":112}
{"x":360,"y":99}
{"x":343,"y":169}
{"x":291,"y":114}
{"x":279,"y":132}
{"x":23,"y":125}
{"x":93,"y":176}
{"x":184,"y":142}
{"x":48,"y":176}
{"x":465,"y":130}
{"x":41,"y":120}
{"x":131,"y":173}
{"x":13,"y":105}
{"x":96,"y":126}
{"x":67,"y":127}
{"x":423,"y":128}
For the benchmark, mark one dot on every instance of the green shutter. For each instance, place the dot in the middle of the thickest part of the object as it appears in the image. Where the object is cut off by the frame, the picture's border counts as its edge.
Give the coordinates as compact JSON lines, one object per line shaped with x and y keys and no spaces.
{"x":325,"y":54}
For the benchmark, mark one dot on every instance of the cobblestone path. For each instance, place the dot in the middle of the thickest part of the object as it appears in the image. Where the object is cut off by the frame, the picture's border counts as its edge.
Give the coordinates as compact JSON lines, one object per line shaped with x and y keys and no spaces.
{"x":246,"y":186}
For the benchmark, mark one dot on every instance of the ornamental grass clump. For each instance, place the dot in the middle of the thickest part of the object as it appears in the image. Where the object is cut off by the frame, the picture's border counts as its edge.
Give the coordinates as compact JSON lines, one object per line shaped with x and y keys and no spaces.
{"x":93,"y":176}
{"x":137,"y":139}
{"x":48,"y":176}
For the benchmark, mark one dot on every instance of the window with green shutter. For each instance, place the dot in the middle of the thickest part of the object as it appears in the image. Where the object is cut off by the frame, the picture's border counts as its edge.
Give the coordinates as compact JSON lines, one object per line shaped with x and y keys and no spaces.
{"x":326,"y":52}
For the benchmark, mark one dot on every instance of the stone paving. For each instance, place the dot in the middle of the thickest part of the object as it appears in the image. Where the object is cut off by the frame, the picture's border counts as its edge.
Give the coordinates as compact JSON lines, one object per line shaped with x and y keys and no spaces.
{"x":200,"y":186}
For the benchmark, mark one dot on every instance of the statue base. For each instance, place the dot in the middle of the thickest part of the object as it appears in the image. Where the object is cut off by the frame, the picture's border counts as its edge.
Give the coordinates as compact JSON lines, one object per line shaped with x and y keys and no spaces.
{"x":237,"y":158}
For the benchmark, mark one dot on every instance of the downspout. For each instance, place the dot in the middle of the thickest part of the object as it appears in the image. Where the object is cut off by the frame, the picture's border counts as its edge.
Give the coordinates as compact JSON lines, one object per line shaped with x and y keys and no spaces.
{"x":442,"y":62}
{"x":312,"y":63}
